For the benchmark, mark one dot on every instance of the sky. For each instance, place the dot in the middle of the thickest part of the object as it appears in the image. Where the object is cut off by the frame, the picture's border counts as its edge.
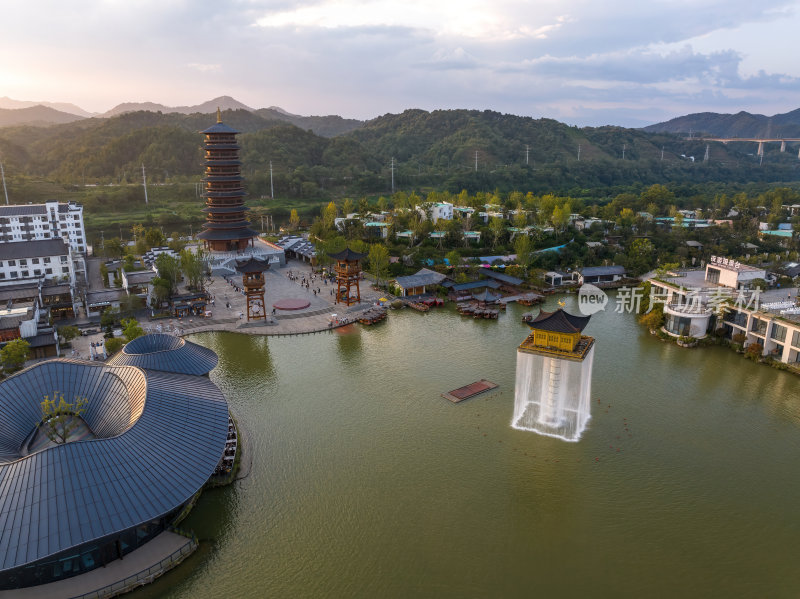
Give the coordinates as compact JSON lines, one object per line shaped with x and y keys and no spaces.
{"x":583,"y":62}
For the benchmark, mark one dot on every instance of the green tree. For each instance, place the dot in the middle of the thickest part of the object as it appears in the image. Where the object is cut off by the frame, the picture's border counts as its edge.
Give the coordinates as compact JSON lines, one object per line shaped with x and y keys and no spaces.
{"x":378,"y":261}
{"x":294,"y":219}
{"x":193,"y":265}
{"x":454,"y":258}
{"x":176,"y":244}
{"x":14,"y":354}
{"x":68,"y":332}
{"x":347,"y":207}
{"x":523,"y":247}
{"x":104,"y":273}
{"x":60,"y":419}
{"x":114,"y":248}
{"x":497,"y":226}
{"x":154,"y":238}
{"x":168,"y":272}
{"x":131,"y":329}
{"x":113,"y":345}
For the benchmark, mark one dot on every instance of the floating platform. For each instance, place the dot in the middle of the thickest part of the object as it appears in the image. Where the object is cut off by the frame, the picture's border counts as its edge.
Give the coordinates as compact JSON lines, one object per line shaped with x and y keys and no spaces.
{"x":471,"y":390}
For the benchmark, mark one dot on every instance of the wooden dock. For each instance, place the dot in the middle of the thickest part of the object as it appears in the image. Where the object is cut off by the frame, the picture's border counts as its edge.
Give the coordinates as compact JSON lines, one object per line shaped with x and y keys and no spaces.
{"x":468,"y":391}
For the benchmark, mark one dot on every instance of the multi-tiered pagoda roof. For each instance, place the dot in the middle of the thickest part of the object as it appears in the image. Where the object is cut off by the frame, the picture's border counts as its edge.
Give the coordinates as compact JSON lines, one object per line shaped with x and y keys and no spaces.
{"x":226,"y":227}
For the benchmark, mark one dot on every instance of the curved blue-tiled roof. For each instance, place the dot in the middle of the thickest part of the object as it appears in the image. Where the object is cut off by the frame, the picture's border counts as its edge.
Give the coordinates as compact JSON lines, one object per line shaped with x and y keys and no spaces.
{"x":159,"y":438}
{"x":158,"y":351}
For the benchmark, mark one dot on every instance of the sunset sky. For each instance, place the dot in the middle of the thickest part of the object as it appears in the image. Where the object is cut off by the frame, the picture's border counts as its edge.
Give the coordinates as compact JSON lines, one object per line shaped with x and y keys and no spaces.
{"x":585,"y":62}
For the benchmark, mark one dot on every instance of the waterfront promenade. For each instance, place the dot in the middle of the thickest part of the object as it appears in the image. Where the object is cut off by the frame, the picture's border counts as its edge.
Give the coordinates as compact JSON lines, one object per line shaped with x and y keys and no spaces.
{"x":139,"y":567}
{"x":315,"y":318}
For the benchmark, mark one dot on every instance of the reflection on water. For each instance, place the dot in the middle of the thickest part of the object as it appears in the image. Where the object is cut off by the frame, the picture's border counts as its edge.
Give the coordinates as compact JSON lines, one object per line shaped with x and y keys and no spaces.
{"x":366,"y":483}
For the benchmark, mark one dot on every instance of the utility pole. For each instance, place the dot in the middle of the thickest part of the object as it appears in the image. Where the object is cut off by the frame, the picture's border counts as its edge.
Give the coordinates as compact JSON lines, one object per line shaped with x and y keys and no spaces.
{"x":102,"y":241}
{"x":3,"y":173}
{"x":527,"y":152}
{"x":262,"y":223}
{"x":271,"y":189}
{"x":579,"y":152}
{"x":623,"y":150}
{"x":392,"y":174}
{"x":144,"y":184}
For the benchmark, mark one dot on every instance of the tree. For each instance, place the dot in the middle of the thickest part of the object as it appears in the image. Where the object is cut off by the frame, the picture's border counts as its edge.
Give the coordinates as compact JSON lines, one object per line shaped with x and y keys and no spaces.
{"x":329,"y":215}
{"x":59,"y":420}
{"x":177,"y":244}
{"x":520,"y":218}
{"x":104,"y":273}
{"x":114,"y":248}
{"x":294,"y":219}
{"x":131,"y":329}
{"x":654,"y":319}
{"x":114,"y":344}
{"x":453,"y":257}
{"x":154,"y":238}
{"x":193,"y":265}
{"x":378,"y":261}
{"x":497,"y":226}
{"x":168,"y":272}
{"x":68,"y":332}
{"x":347,"y":207}
{"x":523,"y":247}
{"x":14,"y":354}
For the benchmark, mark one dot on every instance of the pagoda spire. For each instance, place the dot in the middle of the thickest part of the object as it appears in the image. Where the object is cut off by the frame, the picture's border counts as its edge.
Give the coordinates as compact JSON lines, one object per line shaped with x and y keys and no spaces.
{"x":219,"y":115}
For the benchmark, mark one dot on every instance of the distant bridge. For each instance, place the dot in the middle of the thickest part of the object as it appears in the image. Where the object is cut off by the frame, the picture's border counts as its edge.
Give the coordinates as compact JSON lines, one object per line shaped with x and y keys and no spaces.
{"x":759,"y":140}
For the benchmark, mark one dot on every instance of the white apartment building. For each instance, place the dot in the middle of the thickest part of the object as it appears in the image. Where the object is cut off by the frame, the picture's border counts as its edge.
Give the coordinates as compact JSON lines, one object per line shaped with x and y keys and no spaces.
{"x":47,"y":259}
{"x":51,"y":220}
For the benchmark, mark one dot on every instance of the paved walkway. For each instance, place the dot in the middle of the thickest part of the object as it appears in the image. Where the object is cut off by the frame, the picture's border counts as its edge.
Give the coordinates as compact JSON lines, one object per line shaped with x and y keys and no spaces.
{"x":315,"y":318}
{"x":136,"y":561}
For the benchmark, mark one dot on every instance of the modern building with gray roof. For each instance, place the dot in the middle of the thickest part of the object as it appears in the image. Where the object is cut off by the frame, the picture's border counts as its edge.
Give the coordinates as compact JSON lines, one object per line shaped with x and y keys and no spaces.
{"x":149,"y":441}
{"x":159,"y":351}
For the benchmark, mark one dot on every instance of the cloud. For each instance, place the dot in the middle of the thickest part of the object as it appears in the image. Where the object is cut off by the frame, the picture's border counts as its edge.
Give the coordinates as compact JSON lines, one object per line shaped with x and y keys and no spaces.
{"x":359,"y":58}
{"x":204,"y":68}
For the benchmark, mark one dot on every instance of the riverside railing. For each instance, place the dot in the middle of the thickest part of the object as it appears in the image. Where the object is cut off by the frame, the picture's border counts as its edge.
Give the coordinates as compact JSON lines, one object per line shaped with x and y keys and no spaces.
{"x":148,"y":574}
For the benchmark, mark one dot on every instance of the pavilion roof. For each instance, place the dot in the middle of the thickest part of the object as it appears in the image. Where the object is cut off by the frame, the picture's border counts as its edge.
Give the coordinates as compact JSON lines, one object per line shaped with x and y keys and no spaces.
{"x":252,"y":265}
{"x":347,"y":255}
{"x":559,"y":322}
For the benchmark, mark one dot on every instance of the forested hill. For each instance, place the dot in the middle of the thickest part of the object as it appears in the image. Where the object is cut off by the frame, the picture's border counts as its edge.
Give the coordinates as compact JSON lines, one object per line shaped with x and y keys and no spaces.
{"x":741,"y":124}
{"x":445,"y":149}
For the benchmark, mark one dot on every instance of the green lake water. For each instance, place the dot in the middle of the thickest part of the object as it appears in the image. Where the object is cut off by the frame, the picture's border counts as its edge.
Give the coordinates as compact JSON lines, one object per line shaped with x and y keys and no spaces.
{"x":366,"y":483}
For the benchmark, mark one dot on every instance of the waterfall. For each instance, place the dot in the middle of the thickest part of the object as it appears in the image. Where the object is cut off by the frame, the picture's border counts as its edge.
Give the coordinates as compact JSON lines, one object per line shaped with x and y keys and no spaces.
{"x":552,"y":395}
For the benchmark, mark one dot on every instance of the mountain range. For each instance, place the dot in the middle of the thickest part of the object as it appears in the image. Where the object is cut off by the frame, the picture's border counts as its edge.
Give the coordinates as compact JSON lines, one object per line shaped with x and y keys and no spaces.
{"x":15,"y":112}
{"x":741,"y":124}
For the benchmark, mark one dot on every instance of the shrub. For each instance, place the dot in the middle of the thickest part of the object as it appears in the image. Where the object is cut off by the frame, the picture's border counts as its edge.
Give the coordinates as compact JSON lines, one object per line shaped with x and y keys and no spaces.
{"x":114,"y":344}
{"x":754,"y":351}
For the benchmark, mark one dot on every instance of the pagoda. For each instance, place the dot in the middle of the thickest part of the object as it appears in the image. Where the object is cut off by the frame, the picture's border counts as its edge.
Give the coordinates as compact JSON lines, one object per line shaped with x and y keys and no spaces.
{"x":348,"y":274}
{"x":225,"y":229}
{"x":252,"y":271}
{"x":554,"y":376}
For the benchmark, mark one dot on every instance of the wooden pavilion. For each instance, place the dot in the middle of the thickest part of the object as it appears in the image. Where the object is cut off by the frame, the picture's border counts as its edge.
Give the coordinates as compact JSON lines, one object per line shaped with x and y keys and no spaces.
{"x":348,"y":273}
{"x":252,"y":271}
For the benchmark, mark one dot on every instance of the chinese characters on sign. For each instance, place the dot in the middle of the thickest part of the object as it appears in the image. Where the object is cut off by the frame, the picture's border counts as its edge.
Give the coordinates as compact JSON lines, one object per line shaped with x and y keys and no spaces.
{"x":725,"y":262}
